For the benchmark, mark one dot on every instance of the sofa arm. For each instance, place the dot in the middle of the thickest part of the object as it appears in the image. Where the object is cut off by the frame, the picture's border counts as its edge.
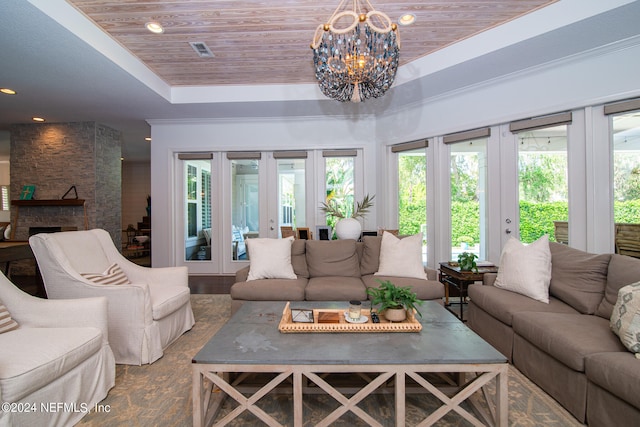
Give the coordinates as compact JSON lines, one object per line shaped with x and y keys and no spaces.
{"x":242,"y":274}
{"x":489,"y":278}
{"x":432,"y":274}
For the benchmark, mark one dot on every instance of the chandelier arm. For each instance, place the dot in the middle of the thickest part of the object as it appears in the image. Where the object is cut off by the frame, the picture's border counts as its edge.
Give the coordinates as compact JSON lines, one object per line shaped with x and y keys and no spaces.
{"x":382,"y":17}
{"x":317,"y":37}
{"x":350,"y":28}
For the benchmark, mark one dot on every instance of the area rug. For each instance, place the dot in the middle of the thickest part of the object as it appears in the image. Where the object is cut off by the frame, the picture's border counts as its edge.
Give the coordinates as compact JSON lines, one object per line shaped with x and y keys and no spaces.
{"x":160,"y":394}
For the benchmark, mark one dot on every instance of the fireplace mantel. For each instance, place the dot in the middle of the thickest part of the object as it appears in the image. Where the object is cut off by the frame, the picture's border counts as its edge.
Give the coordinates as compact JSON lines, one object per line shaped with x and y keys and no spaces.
{"x":47,"y":202}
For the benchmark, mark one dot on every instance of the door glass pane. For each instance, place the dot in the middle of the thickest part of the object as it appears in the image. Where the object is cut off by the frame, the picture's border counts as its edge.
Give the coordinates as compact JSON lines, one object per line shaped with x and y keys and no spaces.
{"x":197,"y":210}
{"x":412,"y":195}
{"x":626,"y":182}
{"x":543,"y":188}
{"x":245,"y":209}
{"x":468,"y":197}
{"x":339,"y":184}
{"x":291,"y":193}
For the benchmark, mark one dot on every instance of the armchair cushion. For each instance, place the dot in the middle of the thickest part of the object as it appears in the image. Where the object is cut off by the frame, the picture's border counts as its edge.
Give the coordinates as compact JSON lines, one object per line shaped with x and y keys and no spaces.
{"x":111,"y":276}
{"x":40,"y":355}
{"x":6,"y":322}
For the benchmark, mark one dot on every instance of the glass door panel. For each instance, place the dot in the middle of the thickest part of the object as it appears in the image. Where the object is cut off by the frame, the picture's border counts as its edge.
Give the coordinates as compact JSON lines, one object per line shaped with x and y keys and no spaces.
{"x":412,"y":195}
{"x":197,"y":210}
{"x":245,"y":208}
{"x":626,"y":182}
{"x":468,"y":198}
{"x":291,"y":193}
{"x":543,"y":184}
{"x":340,"y":186}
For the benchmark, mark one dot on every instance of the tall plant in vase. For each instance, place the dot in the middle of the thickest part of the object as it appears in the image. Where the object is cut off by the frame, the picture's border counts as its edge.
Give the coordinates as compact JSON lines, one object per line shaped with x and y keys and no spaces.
{"x":348,"y":227}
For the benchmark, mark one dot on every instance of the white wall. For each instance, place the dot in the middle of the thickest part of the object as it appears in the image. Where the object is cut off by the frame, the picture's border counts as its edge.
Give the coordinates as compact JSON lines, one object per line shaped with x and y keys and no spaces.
{"x":594,"y":78}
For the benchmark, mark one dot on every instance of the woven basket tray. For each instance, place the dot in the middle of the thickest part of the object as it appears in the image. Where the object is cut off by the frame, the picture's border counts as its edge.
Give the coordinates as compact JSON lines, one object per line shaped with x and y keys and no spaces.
{"x":287,"y":326}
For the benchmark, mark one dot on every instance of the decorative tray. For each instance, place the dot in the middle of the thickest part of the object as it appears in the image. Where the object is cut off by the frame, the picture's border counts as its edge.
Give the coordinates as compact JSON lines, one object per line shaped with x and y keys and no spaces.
{"x":288,"y":326}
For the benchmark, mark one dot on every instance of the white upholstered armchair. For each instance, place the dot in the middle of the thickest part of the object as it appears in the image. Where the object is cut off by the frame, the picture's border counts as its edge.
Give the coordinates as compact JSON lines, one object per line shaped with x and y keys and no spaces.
{"x":51,"y":351}
{"x":145,"y":315}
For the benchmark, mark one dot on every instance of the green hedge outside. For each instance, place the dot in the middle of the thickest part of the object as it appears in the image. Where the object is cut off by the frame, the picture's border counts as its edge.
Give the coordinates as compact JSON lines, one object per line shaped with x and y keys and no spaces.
{"x":536,"y":219}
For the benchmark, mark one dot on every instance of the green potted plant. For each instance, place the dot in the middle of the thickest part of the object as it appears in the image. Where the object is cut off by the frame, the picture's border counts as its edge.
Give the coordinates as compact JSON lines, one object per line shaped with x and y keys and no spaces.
{"x":394,"y":301}
{"x":467,"y":262}
{"x":348,"y":227}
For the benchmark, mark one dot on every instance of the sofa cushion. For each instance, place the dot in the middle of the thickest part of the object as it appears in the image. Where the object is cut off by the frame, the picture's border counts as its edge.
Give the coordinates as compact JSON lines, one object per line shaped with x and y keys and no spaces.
{"x":6,"y":322}
{"x":332,"y":258}
{"x":503,"y":304}
{"x":526,"y":269}
{"x":401,"y":257}
{"x":617,"y":372}
{"x":424,"y":289}
{"x":568,"y":338}
{"x":370,"y":259}
{"x":625,"y":319}
{"x":577,"y":277}
{"x":335,"y":288}
{"x":113,"y":275}
{"x":270,"y":290}
{"x":299,"y":258}
{"x":623,"y":270}
{"x":270,"y":258}
{"x":167,"y":299}
{"x":31,"y":358}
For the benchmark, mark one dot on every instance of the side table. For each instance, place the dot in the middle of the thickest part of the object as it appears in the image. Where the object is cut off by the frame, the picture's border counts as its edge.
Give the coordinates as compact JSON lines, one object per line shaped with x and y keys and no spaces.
{"x":451,"y":275}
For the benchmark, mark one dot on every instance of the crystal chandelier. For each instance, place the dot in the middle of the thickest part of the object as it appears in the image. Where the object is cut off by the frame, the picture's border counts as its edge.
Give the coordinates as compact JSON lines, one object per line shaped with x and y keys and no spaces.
{"x":356,"y":53}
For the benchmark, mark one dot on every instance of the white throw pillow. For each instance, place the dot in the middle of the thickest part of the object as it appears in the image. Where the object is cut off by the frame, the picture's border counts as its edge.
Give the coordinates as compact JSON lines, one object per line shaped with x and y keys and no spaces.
{"x":526,"y":269}
{"x":625,"y":318}
{"x":401,"y":257}
{"x":270,"y":259}
{"x":113,"y":275}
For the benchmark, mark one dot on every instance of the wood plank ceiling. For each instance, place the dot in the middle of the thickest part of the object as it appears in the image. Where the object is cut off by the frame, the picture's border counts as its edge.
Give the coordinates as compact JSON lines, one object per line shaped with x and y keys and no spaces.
{"x":267,"y":41}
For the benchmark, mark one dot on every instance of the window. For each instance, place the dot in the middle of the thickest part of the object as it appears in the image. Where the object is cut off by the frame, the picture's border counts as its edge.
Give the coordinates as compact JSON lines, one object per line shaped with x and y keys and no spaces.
{"x":626,"y":168}
{"x":291,"y":192}
{"x":412,"y":189}
{"x":4,"y":189}
{"x":197,"y":206}
{"x":468,"y":182}
{"x":543,"y":186}
{"x":339,"y":184}
{"x":245,"y":201}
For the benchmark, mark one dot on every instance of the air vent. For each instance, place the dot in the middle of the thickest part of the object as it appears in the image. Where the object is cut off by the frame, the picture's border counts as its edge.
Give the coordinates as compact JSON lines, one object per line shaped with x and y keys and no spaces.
{"x":202,"y":49}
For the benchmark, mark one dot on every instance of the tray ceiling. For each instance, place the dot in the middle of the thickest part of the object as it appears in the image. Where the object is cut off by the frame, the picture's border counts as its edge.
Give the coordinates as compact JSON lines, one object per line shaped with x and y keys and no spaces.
{"x":267,"y":42}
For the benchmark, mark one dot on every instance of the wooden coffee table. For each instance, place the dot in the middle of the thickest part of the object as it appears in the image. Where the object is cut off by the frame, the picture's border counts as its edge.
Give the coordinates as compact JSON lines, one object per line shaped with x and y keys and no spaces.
{"x":250,"y":343}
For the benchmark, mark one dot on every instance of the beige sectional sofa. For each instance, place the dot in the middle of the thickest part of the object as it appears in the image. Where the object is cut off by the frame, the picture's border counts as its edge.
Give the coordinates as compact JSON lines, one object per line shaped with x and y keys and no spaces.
{"x":330,"y":270}
{"x":567,"y":346}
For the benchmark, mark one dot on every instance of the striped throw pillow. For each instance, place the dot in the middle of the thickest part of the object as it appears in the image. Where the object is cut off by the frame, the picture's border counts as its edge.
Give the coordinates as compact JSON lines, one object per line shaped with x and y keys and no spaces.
{"x":112,"y":276}
{"x":6,"y":322}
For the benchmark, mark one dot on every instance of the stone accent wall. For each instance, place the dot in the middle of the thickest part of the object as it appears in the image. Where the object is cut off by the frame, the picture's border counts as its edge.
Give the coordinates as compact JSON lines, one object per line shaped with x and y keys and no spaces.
{"x":55,"y":156}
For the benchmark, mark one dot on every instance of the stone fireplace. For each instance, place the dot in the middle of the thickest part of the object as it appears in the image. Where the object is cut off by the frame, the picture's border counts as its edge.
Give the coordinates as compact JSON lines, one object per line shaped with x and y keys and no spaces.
{"x":53,"y":157}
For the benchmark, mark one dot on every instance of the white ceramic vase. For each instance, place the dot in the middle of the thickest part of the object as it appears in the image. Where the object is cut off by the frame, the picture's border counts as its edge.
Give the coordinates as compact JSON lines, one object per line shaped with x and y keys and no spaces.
{"x":395,"y":314}
{"x":348,"y":228}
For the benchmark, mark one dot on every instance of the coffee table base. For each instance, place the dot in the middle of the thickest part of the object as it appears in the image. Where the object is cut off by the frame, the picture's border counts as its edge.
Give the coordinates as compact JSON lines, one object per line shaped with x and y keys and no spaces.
{"x":212,"y":384}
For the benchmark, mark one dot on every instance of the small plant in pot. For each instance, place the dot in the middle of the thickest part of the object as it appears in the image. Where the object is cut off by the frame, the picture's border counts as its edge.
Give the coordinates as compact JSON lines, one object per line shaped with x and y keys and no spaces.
{"x":394,"y":300}
{"x":467,"y":262}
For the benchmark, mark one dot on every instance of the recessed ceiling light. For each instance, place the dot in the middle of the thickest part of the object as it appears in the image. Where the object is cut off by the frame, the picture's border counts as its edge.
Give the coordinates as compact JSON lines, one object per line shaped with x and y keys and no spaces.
{"x":148,"y":138}
{"x":7,"y":91}
{"x":407,"y":19}
{"x":154,"y":27}
{"x":38,"y":119}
